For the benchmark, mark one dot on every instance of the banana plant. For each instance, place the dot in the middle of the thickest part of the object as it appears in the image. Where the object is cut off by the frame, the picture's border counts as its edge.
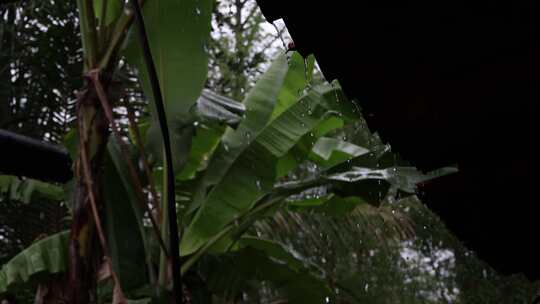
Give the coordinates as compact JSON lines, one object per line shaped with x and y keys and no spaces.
{"x":237,"y":164}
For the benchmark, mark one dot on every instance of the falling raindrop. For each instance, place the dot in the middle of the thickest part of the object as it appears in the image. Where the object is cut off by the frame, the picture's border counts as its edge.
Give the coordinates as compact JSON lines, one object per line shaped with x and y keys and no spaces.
{"x":258,"y":184}
{"x":198,"y":11}
{"x":336,"y":92}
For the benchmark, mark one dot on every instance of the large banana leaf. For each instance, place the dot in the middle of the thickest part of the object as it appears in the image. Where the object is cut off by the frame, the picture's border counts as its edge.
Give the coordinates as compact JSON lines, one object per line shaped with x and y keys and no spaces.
{"x":47,"y":256}
{"x":213,"y":108}
{"x":177,"y":32}
{"x":252,"y":174}
{"x":295,"y":82}
{"x":259,"y":104}
{"x":213,"y":112}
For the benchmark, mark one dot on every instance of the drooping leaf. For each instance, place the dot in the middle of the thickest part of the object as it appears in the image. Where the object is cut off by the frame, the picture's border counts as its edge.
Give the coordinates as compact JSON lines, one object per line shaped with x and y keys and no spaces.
{"x":213,"y":108}
{"x":47,"y":256}
{"x":193,"y":144}
{"x":404,"y":178}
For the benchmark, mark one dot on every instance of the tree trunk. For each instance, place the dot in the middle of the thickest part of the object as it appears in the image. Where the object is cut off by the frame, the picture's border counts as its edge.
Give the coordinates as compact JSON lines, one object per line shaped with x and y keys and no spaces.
{"x":84,"y":248}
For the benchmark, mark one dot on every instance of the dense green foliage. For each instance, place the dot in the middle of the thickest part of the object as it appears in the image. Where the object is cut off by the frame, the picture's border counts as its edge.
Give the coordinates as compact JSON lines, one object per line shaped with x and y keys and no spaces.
{"x":284,"y":197}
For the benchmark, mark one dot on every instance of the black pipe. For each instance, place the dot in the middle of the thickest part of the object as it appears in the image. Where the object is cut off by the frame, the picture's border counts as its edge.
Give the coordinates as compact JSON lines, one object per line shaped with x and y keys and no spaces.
{"x":25,"y":156}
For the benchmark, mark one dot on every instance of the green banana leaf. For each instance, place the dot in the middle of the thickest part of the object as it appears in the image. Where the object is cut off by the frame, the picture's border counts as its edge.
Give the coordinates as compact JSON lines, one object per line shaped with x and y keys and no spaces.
{"x":296,"y":81}
{"x":123,"y":221}
{"x":252,"y":174}
{"x":177,"y":32}
{"x":44,"y":257}
{"x":25,"y":189}
{"x":329,"y":151}
{"x":312,"y":144}
{"x":204,"y":142}
{"x":213,"y":111}
{"x":213,"y":108}
{"x":259,"y":104}
{"x":108,"y":14}
{"x":403,"y":178}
